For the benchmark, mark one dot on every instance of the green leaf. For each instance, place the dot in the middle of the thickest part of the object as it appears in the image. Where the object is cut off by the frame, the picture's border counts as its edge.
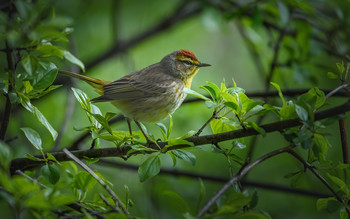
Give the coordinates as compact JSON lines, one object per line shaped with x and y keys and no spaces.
{"x":288,"y":112}
{"x":170,"y":127}
{"x":314,"y":97}
{"x":31,"y":157}
{"x":84,"y":181}
{"x":51,"y":173}
{"x":149,"y":168}
{"x":340,"y":183}
{"x":71,"y":58}
{"x":257,"y":128}
{"x":101,"y":120}
{"x":329,"y":204}
{"x":211,"y":91}
{"x":34,"y":137}
{"x":194,"y":93}
{"x":27,"y":87}
{"x":62,"y":199}
{"x":163,"y":130}
{"x":185,"y":155}
{"x":301,"y":112}
{"x":30,"y":64}
{"x":52,"y":158}
{"x":49,"y":50}
{"x":45,"y":77}
{"x":320,"y":147}
{"x":44,"y":122}
{"x":5,"y":155}
{"x":176,"y":201}
{"x":279,"y":92}
{"x":82,"y":98}
{"x":332,"y":75}
{"x":90,"y":160}
{"x":177,"y":141}
{"x":254,"y":106}
{"x":28,"y":106}
{"x":221,"y":125}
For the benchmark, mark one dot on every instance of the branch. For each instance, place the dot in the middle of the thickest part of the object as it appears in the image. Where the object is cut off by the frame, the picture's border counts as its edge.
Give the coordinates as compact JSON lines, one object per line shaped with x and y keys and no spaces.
{"x":239,"y":175}
{"x":184,"y":11}
{"x":312,"y":169}
{"x":25,"y":163}
{"x":174,"y":172}
{"x":8,"y":106}
{"x":344,"y":140}
{"x":104,"y":185}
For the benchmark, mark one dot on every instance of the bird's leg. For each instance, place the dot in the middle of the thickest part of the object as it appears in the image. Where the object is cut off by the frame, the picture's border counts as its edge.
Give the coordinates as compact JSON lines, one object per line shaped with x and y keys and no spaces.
{"x":130,"y":131}
{"x":144,"y":134}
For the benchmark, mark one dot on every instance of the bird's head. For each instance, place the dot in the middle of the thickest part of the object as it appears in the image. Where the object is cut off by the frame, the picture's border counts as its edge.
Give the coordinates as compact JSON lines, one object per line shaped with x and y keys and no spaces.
{"x":183,"y":64}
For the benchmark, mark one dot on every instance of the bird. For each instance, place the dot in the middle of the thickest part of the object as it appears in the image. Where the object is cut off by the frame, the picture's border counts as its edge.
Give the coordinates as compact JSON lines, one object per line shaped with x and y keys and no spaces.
{"x":152,"y":93}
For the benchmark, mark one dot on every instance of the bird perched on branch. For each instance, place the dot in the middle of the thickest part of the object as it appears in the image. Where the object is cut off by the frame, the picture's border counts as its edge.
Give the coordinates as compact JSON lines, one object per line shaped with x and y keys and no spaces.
{"x":152,"y":93}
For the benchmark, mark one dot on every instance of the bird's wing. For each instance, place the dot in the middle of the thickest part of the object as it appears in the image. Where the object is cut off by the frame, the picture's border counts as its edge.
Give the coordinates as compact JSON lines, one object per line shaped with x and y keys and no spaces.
{"x":141,"y":84}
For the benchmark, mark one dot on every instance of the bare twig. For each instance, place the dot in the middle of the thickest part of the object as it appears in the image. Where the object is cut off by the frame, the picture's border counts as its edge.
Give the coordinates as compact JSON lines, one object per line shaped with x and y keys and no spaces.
{"x":115,"y":209}
{"x":215,"y":113}
{"x":336,"y":90}
{"x":182,"y":173}
{"x":313,"y":170}
{"x":104,"y":185}
{"x":239,"y":175}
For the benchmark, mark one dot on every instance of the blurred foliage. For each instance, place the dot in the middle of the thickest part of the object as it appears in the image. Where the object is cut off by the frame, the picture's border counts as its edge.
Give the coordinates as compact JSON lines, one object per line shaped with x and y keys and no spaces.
{"x":274,"y":45}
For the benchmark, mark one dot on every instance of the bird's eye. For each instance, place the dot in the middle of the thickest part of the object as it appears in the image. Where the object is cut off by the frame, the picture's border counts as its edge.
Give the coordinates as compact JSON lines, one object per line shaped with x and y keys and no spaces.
{"x":187,"y":62}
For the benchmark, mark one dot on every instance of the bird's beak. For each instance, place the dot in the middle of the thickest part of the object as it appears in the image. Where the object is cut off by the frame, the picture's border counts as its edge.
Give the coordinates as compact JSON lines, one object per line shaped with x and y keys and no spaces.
{"x":203,"y":64}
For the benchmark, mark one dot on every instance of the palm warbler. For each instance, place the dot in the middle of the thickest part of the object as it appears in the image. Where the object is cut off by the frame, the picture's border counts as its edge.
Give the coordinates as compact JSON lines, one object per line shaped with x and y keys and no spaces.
{"x":152,"y":93}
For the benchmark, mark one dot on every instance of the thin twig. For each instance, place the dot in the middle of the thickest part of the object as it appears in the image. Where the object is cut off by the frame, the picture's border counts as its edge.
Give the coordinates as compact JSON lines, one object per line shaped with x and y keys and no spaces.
{"x":239,"y":175}
{"x":182,"y":173}
{"x":313,"y":170}
{"x":115,"y":209}
{"x":336,"y":90}
{"x":93,"y":174}
{"x":215,"y":113}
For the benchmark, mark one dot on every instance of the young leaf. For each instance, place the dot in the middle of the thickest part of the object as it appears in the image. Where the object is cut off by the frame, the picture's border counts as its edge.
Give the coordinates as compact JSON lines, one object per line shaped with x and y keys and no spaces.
{"x":44,"y":77}
{"x":279,"y":92}
{"x":84,"y":181}
{"x":185,"y":155}
{"x":28,"y":106}
{"x":71,"y":58}
{"x":163,"y":130}
{"x":173,"y":142}
{"x":34,"y":137}
{"x":257,"y":128}
{"x":175,"y":201}
{"x":51,"y":173}
{"x":194,"y":93}
{"x":149,"y":168}
{"x":170,"y":127}
{"x":301,"y":112}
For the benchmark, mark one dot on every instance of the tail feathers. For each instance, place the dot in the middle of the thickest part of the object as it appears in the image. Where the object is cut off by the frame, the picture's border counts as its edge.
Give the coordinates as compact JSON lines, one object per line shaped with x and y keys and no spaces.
{"x":94,"y":82}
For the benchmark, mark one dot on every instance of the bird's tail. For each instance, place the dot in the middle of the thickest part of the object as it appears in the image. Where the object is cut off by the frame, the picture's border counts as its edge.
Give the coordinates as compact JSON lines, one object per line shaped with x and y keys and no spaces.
{"x":94,"y":82}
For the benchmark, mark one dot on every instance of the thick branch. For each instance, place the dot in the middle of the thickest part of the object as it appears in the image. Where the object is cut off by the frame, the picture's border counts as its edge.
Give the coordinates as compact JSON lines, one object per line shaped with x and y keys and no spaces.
{"x":25,"y":163}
